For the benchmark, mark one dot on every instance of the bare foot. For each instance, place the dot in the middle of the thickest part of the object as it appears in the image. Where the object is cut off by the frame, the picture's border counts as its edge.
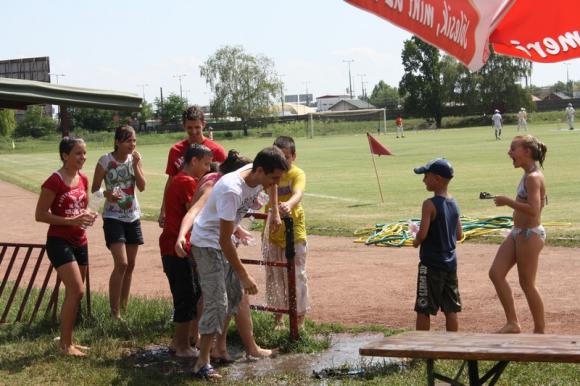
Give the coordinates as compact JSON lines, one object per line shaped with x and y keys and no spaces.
{"x":279,"y":326}
{"x":221,"y":357}
{"x":71,"y":351}
{"x":262,"y":353}
{"x":78,"y":346}
{"x":187,"y":353}
{"x":510,"y":328}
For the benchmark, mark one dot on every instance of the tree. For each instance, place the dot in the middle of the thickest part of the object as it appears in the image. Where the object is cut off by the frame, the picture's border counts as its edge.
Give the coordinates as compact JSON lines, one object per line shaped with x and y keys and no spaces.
{"x":385,"y":96}
{"x":243,"y":85}
{"x":421,"y":83}
{"x":7,"y":122}
{"x":35,"y":124}
{"x":171,"y":109}
{"x":92,"y":119}
{"x":499,"y":87}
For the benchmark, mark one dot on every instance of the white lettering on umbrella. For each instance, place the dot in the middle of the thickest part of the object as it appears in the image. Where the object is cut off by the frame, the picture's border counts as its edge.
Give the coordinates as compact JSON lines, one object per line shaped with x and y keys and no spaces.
{"x":395,"y":4}
{"x":549,"y":45}
{"x":454,"y":28}
{"x":422,"y":12}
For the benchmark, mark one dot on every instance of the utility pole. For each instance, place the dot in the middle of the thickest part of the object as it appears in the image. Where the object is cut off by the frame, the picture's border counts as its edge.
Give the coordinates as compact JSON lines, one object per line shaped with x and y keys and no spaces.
{"x":362,"y":85}
{"x":56,"y":75}
{"x":570,"y":89}
{"x":306,"y":83}
{"x":180,"y":89}
{"x":282,"y":93}
{"x":349,"y":61}
{"x":143,"y":89}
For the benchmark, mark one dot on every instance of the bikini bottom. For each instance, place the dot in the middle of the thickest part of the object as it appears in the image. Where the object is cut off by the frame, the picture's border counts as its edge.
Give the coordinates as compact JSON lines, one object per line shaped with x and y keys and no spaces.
{"x":527,"y":232}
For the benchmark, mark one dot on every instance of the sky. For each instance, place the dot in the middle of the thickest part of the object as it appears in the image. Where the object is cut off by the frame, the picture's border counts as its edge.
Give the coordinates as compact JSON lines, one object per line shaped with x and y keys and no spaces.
{"x":142,"y":46}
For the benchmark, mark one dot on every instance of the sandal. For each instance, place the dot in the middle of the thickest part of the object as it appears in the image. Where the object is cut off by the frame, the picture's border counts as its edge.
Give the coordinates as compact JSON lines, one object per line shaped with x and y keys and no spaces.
{"x":207,"y":372}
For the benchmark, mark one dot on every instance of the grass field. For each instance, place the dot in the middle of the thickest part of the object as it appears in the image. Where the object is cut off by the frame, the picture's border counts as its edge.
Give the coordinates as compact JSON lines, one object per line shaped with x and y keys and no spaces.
{"x":28,"y":354}
{"x":342,"y":193}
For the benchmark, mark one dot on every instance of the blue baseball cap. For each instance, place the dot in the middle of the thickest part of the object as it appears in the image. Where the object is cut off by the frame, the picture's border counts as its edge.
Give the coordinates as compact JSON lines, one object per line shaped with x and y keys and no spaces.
{"x":439,"y":166}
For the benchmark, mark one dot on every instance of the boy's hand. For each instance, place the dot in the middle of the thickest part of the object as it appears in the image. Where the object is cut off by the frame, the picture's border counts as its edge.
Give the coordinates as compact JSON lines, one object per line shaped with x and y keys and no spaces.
{"x":249,"y":285}
{"x":180,"y":247}
{"x":285,"y":209}
{"x":275,"y":222}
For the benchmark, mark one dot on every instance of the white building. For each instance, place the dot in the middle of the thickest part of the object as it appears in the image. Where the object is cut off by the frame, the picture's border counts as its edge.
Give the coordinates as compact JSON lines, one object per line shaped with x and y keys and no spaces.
{"x":325,"y":102}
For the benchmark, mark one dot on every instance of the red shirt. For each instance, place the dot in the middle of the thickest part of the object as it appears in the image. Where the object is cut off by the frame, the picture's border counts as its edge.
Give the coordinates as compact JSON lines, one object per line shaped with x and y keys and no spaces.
{"x":70,"y":201}
{"x":399,"y":121}
{"x":179,"y":194}
{"x":177,"y":154}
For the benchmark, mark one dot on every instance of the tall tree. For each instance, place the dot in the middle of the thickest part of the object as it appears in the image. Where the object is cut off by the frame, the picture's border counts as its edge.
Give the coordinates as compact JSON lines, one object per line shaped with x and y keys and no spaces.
{"x":421,"y":83}
{"x":500,"y":83}
{"x":385,"y":96}
{"x":171,"y":109}
{"x":7,"y":122}
{"x":243,"y":85}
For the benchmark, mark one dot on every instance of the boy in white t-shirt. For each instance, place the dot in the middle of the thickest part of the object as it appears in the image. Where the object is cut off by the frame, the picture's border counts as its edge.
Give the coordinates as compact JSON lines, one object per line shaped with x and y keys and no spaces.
{"x":221,"y":274}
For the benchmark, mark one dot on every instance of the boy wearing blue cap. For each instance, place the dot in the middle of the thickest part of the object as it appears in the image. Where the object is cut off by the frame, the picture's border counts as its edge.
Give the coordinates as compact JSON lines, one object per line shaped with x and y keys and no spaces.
{"x":440,"y":228}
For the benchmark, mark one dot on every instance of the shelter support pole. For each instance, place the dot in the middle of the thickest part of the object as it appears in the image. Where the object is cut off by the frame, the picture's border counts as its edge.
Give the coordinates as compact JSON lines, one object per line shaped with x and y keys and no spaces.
{"x":64,"y":120}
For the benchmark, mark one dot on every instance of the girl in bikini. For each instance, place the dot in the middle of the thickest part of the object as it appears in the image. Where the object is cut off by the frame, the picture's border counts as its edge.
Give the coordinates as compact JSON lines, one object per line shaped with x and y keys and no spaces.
{"x":523,"y":245}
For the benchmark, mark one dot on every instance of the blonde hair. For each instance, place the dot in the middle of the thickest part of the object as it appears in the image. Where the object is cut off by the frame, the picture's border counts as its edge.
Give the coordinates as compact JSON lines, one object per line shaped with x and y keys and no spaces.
{"x":539,"y":149}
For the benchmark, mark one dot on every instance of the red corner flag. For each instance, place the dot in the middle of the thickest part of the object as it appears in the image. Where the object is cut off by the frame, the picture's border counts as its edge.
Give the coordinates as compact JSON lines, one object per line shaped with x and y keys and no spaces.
{"x":376,"y":147}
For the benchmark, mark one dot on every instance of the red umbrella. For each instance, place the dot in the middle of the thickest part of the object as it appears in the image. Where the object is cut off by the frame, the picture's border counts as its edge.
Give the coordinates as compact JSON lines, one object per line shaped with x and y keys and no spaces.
{"x":531,"y":29}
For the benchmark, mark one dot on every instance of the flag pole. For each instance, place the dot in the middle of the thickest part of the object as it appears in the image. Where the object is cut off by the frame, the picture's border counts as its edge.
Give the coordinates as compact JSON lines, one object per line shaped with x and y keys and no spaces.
{"x":378,"y":181}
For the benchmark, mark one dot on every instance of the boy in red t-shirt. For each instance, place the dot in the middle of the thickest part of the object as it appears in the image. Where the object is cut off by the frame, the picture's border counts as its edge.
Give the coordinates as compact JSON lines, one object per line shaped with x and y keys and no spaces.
{"x":193,"y":124}
{"x":181,"y":271}
{"x":399,"y":124}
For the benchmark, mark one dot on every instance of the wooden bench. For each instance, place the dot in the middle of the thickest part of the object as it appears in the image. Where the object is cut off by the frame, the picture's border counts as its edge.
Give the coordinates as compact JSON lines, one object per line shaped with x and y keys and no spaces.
{"x":472,"y":347}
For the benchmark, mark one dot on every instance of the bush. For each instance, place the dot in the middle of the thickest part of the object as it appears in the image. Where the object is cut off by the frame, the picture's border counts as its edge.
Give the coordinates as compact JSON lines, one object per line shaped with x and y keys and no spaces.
{"x":7,"y":123}
{"x":35,"y":124}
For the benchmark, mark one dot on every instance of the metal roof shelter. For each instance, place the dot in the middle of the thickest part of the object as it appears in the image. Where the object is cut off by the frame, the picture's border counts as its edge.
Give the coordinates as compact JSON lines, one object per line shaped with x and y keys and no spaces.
{"x":18,"y":93}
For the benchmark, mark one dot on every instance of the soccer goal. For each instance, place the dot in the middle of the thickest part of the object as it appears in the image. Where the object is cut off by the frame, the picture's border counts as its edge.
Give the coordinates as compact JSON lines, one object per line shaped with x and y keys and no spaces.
{"x":345,"y":122}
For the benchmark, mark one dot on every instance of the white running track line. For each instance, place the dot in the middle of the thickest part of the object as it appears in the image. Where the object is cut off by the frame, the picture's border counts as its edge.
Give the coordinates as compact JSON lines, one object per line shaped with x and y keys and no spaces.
{"x":331,"y":197}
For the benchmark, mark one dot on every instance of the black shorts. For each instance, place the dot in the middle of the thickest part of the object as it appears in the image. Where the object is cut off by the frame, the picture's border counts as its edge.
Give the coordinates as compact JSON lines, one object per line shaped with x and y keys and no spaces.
{"x":184,"y":285}
{"x":437,"y":289}
{"x":61,"y":252}
{"x":117,"y":231}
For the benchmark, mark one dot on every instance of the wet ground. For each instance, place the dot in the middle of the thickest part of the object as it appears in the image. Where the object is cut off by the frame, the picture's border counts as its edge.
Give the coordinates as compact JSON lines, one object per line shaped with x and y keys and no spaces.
{"x":342,"y":359}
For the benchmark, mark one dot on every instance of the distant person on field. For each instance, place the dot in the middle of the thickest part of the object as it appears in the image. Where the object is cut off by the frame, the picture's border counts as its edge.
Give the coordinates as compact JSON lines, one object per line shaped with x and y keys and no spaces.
{"x":523,"y":245}
{"x":122,"y":171}
{"x":399,"y":124}
{"x":440,"y":228}
{"x":497,"y":121}
{"x":570,"y":112}
{"x":63,"y":203}
{"x":193,"y":123}
{"x":290,"y":192}
{"x":522,"y":119}
{"x":180,"y":271}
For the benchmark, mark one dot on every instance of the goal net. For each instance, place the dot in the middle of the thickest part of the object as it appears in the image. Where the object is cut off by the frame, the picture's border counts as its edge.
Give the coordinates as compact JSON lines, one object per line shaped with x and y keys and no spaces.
{"x":347,"y":122}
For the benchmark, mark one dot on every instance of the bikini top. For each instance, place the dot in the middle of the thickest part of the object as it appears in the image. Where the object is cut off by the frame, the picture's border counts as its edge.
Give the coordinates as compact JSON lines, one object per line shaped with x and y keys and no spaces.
{"x":522,"y":192}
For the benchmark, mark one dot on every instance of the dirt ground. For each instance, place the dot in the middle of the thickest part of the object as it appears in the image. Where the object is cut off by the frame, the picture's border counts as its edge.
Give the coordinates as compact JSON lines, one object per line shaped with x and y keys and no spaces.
{"x":350,"y":283}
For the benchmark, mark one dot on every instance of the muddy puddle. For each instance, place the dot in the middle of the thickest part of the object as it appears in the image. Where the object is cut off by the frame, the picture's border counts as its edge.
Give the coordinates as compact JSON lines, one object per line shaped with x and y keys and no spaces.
{"x":340,"y":360}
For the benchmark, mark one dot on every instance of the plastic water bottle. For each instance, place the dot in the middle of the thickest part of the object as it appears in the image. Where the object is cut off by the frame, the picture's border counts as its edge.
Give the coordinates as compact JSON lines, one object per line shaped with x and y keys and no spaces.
{"x":413,"y":228}
{"x":96,"y":200}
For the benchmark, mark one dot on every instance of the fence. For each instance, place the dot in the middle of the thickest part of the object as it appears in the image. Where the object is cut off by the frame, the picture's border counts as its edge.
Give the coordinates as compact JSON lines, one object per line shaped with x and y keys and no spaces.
{"x":34,"y":251}
{"x":291,"y":269}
